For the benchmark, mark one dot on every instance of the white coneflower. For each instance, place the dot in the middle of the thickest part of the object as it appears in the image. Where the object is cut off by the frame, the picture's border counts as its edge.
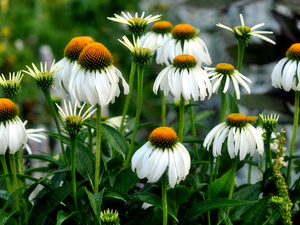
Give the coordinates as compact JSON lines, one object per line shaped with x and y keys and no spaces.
{"x":74,"y":120}
{"x":34,"y":135}
{"x":160,"y":31}
{"x":66,"y":64}
{"x":141,"y":54}
{"x":95,"y":80}
{"x":245,"y":32}
{"x":12,"y":131}
{"x":184,"y":78}
{"x":43,"y":77}
{"x":286,"y":73}
{"x":242,"y":138}
{"x":161,"y":151}
{"x":226,"y":72}
{"x":136,"y":25}
{"x":11,"y":86}
{"x":184,"y":40}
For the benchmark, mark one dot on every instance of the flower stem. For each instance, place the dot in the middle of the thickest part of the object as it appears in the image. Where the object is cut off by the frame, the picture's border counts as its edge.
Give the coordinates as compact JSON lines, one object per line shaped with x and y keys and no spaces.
{"x":14,"y":175}
{"x":269,"y":154}
{"x":23,"y":182}
{"x":241,"y":49}
{"x":181,"y":119}
{"x":234,"y":166}
{"x":164,"y":198}
{"x":140,"y":71}
{"x":296,"y":117}
{"x":73,"y":138}
{"x":163,"y":110}
{"x":192,"y":117}
{"x":98,"y":149}
{"x":89,"y":130}
{"x":54,"y":113}
{"x":5,"y":170}
{"x":131,"y":79}
{"x":250,"y":171}
{"x":211,"y":174}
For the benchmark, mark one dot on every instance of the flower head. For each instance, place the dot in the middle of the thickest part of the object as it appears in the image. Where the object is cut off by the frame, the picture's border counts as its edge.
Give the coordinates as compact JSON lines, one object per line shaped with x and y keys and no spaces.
{"x":11,"y":87}
{"x":95,"y":79}
{"x":74,"y":120}
{"x":161,"y":151}
{"x":242,"y":137}
{"x":110,"y":217}
{"x":141,"y":54}
{"x":286,"y":73}
{"x":12,"y":130}
{"x":224,"y":72}
{"x":136,"y":25}
{"x":43,"y":77}
{"x":269,"y":123}
{"x":66,"y":64}
{"x":244,"y":32}
{"x":184,"y":78}
{"x":34,"y":135}
{"x":160,"y":31}
{"x":184,"y":40}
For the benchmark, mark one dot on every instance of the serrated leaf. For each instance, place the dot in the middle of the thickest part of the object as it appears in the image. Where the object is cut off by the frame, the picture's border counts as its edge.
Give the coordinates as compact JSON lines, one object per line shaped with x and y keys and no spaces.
{"x":152,"y":199}
{"x":221,"y":185}
{"x":208,"y":205}
{"x":96,"y":202}
{"x":62,"y":216}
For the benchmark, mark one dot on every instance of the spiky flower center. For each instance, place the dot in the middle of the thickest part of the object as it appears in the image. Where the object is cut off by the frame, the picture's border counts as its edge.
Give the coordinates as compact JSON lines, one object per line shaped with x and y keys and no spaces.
{"x":75,"y":47}
{"x":184,"y":61}
{"x":8,"y":110}
{"x":95,"y":56}
{"x":162,"y":27}
{"x":293,"y":53}
{"x":163,"y":137}
{"x":269,"y":122}
{"x":184,"y":32}
{"x":110,"y":217}
{"x":137,"y":20}
{"x":225,"y":68}
{"x":73,"y":124}
{"x":243,"y":29}
{"x":236,"y":120}
{"x":252,"y":118}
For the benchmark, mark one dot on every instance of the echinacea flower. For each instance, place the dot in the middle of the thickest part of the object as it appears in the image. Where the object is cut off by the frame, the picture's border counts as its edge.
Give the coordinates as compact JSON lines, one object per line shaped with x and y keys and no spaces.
{"x":34,"y":135}
{"x":184,"y":78}
{"x":224,"y":72}
{"x":110,"y":217}
{"x":161,"y":151}
{"x":141,"y":54}
{"x":286,"y":73}
{"x":44,"y":78}
{"x":11,"y":86}
{"x":12,"y":131}
{"x":66,"y":64}
{"x":184,"y":40}
{"x":244,"y":32}
{"x":242,"y":138}
{"x":74,"y":120}
{"x":95,"y":80}
{"x":136,"y":25}
{"x":160,"y":31}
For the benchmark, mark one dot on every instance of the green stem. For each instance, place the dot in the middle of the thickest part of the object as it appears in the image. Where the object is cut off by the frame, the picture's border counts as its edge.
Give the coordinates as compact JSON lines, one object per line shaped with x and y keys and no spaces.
{"x":192,"y":117}
{"x":14,"y":175}
{"x":223,"y":103}
{"x":269,"y":219}
{"x":181,"y":119}
{"x":98,"y":150}
{"x":296,"y":117}
{"x":89,"y":130}
{"x":54,"y":113}
{"x":234,"y":166}
{"x":5,"y":170}
{"x":164,"y":198}
{"x":138,"y":113}
{"x":131,"y":79}
{"x":211,"y":174}
{"x":23,"y":182}
{"x":73,"y":138}
{"x":163,"y":110}
{"x":269,"y":154}
{"x":250,"y":171}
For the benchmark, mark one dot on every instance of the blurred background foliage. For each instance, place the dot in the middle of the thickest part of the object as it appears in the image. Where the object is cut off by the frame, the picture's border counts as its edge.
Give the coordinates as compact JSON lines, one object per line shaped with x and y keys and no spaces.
{"x":38,"y":30}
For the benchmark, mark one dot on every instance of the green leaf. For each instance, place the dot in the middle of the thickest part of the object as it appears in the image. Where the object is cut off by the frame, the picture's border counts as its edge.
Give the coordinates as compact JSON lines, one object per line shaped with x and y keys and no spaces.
{"x":62,"y":216}
{"x":4,"y":194}
{"x":37,"y":170}
{"x":208,"y":205}
{"x":179,"y":194}
{"x":110,"y":194}
{"x":96,"y":202}
{"x":45,"y":158}
{"x":5,"y":216}
{"x":11,"y":197}
{"x":151,"y":199}
{"x":221,"y":186}
{"x":225,"y":218}
{"x":49,"y":202}
{"x":139,"y":127}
